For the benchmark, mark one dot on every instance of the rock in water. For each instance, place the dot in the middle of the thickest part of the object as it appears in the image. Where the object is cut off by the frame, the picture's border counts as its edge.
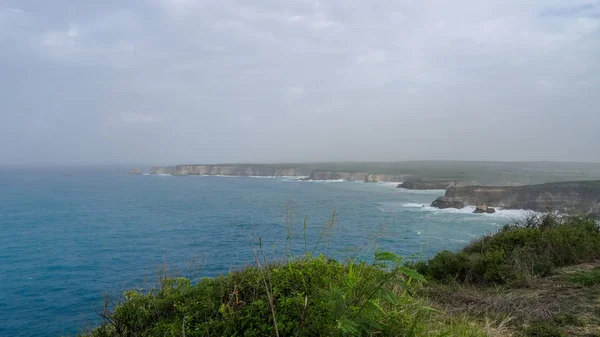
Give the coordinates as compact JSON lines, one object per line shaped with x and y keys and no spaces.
{"x":445,"y":202}
{"x":480,"y":209}
{"x":135,"y":172}
{"x":484,"y":209}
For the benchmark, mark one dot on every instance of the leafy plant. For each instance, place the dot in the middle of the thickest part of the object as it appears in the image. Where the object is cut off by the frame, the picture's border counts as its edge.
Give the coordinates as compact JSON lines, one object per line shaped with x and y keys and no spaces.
{"x":518,"y":252}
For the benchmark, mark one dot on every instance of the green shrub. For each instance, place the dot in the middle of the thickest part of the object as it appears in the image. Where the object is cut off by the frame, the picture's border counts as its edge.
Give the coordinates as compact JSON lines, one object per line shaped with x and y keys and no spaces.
{"x":518,"y":252}
{"x":311,"y":297}
{"x":446,"y":266}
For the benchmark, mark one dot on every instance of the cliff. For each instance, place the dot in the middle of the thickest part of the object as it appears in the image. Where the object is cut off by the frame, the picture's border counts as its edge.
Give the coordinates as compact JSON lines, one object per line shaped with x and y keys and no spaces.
{"x":580,"y":197}
{"x":162,"y":170}
{"x":229,"y":170}
{"x":426,"y":185}
{"x":354,"y":176}
{"x":265,"y":170}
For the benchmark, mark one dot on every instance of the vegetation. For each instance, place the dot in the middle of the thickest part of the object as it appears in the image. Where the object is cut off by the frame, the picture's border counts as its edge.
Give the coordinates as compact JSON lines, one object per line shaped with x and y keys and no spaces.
{"x":520,"y":252}
{"x":307,"y":296}
{"x":586,"y":278}
{"x":522,"y":281}
{"x":539,"y":277}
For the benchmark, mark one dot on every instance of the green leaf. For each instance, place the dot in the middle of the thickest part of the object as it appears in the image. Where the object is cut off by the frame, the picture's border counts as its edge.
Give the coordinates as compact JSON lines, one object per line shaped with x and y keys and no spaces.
{"x":386,"y":256}
{"x":348,"y":326}
{"x":411,"y":273}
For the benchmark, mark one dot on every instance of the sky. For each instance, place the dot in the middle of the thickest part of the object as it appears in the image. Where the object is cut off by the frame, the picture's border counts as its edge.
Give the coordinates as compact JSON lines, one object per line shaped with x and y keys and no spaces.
{"x":160,"y":82}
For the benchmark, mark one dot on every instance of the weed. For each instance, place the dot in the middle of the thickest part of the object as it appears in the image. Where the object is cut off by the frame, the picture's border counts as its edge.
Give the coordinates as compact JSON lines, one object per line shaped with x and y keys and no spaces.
{"x":543,"y":329}
{"x":586,"y":278}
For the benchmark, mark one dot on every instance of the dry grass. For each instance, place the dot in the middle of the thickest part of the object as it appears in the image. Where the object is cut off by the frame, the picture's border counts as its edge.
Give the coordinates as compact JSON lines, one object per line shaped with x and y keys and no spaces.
{"x":507,"y":311}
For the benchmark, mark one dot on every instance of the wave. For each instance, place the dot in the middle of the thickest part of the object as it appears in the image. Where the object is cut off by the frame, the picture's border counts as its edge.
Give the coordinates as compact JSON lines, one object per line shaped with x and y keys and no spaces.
{"x":326,"y":181}
{"x":436,"y":192}
{"x":416,"y":207}
{"x":389,"y":183}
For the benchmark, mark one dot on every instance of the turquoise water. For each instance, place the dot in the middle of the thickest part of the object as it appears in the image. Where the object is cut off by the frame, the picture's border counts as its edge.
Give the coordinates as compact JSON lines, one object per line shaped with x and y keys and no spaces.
{"x":69,"y":236}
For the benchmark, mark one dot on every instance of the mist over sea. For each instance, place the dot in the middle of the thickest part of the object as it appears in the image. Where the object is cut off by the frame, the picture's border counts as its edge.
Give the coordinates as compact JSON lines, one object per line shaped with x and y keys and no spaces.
{"x":67,"y":236}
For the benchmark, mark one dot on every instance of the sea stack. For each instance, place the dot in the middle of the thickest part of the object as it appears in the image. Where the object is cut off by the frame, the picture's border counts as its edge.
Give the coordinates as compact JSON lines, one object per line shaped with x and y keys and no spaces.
{"x":483,"y":208}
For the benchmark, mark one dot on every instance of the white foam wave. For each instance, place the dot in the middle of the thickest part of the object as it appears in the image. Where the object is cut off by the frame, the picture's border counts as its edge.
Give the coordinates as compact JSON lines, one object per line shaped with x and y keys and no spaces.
{"x":326,"y":181}
{"x":389,"y":183}
{"x":287,"y":178}
{"x":416,"y":207}
{"x":436,"y":192}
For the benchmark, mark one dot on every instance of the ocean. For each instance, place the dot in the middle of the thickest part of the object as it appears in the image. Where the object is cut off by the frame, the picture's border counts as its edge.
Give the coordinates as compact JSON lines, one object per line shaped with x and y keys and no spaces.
{"x":69,"y":236}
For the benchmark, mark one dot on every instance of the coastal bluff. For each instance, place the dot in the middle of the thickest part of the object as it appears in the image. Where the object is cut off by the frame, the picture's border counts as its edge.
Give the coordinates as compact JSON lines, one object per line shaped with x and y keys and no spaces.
{"x":230,"y":170}
{"x":426,"y":185}
{"x":355,"y":176}
{"x":265,"y":170}
{"x":577,"y":197}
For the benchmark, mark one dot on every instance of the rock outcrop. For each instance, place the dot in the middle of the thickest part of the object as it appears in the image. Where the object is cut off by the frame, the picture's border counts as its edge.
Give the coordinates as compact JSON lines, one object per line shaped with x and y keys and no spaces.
{"x":484,"y":209}
{"x":578,"y":197}
{"x":426,"y":185}
{"x":443,"y":202}
{"x":135,"y":171}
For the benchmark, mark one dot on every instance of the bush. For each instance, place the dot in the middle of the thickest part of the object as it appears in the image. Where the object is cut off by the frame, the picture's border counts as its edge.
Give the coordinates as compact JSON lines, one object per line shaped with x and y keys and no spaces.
{"x":518,"y":252}
{"x":308,"y":297}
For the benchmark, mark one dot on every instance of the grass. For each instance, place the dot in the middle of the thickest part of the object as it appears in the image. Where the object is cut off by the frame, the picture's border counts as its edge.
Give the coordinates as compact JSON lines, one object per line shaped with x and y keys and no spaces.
{"x":296,"y":296}
{"x":586,"y":278}
{"x":540,"y":277}
{"x":310,"y":297}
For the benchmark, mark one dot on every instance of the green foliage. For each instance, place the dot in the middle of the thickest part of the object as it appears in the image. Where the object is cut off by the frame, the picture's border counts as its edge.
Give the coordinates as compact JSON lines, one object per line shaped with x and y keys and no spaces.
{"x":518,"y":252}
{"x":312,"y":297}
{"x":587,"y":278}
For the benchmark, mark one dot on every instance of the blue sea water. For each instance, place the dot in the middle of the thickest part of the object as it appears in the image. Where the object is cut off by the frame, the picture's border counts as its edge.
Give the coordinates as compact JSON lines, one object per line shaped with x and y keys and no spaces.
{"x":69,"y":236}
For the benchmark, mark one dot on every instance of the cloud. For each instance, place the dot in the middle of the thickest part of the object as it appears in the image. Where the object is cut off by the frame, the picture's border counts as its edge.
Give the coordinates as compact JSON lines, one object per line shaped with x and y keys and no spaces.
{"x":317,"y":74}
{"x":137,"y":118}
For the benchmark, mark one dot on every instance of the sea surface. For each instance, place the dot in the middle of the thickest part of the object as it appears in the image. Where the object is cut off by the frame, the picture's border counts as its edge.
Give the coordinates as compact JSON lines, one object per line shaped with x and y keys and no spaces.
{"x":69,"y":236}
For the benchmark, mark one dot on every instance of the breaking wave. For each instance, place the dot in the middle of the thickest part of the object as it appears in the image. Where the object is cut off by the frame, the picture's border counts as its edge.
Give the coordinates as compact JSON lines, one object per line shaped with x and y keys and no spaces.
{"x":394,"y":207}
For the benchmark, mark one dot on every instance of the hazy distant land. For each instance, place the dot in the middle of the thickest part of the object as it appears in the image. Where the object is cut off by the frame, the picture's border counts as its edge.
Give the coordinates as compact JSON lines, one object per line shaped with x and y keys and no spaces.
{"x":461,"y":172}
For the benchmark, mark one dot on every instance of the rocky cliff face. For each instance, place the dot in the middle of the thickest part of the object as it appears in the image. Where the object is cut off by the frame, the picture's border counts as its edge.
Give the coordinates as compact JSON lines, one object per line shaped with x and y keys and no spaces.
{"x":272,"y":171}
{"x":426,"y":185}
{"x":162,"y":170}
{"x":581,"y":197}
{"x":228,"y":170}
{"x":356,"y":176}
{"x":325,"y":175}
{"x":385,"y":178}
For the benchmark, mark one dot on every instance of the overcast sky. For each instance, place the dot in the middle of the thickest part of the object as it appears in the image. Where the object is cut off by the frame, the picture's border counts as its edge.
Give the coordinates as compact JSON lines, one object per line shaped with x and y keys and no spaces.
{"x":183,"y":81}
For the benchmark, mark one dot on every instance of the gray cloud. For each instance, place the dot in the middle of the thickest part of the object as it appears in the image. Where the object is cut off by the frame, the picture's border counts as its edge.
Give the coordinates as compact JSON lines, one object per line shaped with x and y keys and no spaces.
{"x":174,"y":81}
